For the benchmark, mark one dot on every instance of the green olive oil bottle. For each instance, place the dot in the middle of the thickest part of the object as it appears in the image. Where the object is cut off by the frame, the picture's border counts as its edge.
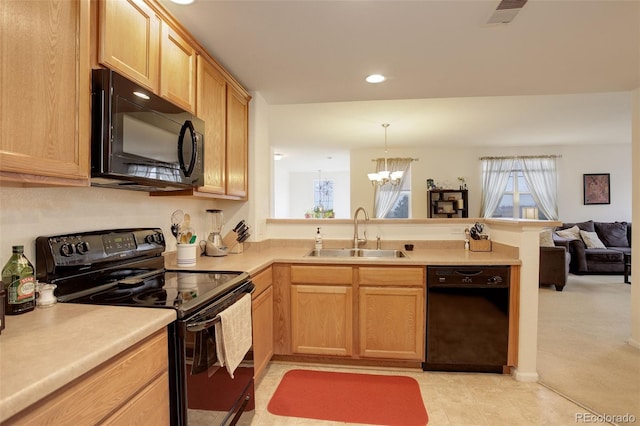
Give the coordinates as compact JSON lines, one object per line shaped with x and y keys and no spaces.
{"x":19,"y":283}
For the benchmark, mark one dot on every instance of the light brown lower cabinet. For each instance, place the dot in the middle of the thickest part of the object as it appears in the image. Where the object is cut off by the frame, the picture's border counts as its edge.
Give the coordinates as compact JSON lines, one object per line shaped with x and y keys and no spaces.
{"x":262,"y":320}
{"x":351,"y":311}
{"x":322,"y":320}
{"x":131,"y":388}
{"x":391,"y":322}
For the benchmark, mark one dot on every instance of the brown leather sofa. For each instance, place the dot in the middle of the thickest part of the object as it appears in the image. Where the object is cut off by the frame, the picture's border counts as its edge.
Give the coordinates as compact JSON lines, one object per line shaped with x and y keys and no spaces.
{"x":616,"y":236}
{"x":554,"y":266}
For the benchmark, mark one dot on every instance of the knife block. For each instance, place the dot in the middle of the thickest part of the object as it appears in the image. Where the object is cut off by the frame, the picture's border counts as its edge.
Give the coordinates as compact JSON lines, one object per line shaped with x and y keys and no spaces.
{"x":231,"y":240}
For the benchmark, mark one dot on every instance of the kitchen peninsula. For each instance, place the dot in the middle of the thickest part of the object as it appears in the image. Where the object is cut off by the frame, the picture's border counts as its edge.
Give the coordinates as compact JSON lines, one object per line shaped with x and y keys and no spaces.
{"x":511,"y":247}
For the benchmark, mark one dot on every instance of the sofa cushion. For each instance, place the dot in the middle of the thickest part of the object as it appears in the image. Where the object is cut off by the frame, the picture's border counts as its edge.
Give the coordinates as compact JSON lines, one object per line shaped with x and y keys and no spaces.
{"x":546,"y":238}
{"x":591,"y":240}
{"x":585,"y":226}
{"x":573,"y":233}
{"x":612,"y":234}
{"x":603,"y":256}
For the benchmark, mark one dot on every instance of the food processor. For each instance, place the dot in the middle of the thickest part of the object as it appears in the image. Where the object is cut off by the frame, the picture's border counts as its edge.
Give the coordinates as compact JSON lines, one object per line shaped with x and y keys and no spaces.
{"x":213,"y":245}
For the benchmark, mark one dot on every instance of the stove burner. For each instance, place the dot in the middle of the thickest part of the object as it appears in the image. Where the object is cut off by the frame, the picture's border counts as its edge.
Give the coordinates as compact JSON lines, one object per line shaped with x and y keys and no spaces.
{"x":151,"y":297}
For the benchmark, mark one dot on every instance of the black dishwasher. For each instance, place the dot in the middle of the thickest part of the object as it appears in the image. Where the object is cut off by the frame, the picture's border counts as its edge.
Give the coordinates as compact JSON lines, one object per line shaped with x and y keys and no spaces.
{"x":467,"y":318}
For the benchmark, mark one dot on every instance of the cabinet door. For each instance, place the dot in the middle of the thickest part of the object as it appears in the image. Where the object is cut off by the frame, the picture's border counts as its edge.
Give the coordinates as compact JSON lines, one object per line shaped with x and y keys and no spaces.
{"x":237,"y":143}
{"x":178,"y":69}
{"x":45,"y":101}
{"x":262,"y":312}
{"x":130,"y":40}
{"x":211,"y":107}
{"x":392,"y":322}
{"x":321,"y":320}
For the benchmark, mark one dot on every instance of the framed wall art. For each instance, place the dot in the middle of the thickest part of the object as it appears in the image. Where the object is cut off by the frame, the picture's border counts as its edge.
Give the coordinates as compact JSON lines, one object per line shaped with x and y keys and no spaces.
{"x":597,"y":188}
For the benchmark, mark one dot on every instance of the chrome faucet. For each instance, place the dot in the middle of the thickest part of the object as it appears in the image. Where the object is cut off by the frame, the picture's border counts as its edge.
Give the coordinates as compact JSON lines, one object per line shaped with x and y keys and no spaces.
{"x":356,"y":239}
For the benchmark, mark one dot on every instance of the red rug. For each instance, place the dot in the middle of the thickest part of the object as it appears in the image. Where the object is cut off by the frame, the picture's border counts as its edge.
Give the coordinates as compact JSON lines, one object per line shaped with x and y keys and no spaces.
{"x":349,"y":397}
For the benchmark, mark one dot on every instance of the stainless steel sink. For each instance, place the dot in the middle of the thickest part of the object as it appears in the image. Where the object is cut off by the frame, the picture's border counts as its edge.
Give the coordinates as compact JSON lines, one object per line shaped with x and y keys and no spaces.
{"x":357,"y":253}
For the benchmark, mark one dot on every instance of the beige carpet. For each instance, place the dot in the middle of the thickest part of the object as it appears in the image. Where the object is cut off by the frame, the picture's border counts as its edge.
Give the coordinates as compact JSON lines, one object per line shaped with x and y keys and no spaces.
{"x":582,"y":349}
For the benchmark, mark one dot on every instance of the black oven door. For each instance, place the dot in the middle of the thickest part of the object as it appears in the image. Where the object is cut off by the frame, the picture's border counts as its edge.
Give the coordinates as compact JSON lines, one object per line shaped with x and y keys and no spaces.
{"x":209,"y":395}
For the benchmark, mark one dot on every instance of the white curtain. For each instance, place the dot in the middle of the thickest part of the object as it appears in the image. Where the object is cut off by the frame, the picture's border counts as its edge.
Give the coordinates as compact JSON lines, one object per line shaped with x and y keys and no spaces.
{"x":495,"y":175}
{"x":541,"y":175}
{"x":386,"y":195}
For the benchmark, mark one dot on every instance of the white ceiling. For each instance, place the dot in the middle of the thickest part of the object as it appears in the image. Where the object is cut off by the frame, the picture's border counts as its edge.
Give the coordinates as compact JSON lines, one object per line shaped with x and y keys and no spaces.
{"x":560,"y":73}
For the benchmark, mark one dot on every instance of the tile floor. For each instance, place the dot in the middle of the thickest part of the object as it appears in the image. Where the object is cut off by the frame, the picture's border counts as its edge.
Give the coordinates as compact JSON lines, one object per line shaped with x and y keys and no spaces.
{"x":450,"y":398}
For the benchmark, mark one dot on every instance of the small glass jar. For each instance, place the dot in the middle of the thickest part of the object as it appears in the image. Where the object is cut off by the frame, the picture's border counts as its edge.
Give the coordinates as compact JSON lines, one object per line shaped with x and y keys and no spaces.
{"x":46,"y":298}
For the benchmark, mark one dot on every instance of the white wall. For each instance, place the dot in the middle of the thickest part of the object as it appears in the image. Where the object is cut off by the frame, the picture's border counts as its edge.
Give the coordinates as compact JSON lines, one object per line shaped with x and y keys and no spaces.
{"x":300,"y":197}
{"x":444,"y":165}
{"x":635,"y":289}
{"x":31,"y":212}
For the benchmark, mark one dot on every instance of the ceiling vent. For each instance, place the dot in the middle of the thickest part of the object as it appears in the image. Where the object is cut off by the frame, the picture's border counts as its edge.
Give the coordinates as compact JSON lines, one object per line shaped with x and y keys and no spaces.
{"x":506,"y":11}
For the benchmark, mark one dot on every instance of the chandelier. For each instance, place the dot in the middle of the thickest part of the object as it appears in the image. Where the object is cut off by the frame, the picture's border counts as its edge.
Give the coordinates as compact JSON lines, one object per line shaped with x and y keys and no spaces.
{"x":385,"y":176}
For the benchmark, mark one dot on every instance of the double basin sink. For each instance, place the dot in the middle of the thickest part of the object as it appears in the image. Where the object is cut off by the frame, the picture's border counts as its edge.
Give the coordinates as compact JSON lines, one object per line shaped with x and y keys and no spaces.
{"x":345,"y":252}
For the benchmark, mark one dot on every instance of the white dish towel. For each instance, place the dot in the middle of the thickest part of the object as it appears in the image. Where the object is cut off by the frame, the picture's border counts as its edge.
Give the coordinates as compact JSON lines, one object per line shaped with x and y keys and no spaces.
{"x":233,"y":334}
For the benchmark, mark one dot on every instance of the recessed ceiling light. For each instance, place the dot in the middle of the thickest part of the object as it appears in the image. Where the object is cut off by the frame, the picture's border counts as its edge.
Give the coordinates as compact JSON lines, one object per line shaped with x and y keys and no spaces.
{"x":182,"y":1}
{"x":141,"y":95}
{"x":375,"y":78}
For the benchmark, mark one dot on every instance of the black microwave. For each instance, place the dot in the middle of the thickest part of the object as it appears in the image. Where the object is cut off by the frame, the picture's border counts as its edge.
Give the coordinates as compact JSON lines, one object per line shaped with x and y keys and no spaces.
{"x":141,"y":141}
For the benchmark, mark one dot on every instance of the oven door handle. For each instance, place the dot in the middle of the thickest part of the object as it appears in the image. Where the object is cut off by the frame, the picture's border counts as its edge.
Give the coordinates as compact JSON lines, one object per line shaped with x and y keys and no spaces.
{"x":202,"y":325}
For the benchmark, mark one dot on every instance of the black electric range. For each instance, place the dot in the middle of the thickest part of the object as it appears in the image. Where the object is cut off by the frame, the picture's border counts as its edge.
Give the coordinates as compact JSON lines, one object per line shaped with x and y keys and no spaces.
{"x":125,"y":267}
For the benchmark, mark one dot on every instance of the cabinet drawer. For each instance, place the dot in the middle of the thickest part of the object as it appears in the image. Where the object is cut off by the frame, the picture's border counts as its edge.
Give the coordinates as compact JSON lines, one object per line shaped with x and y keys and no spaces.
{"x":322,"y":275}
{"x":150,"y":406}
{"x":262,"y":281}
{"x":90,"y":398}
{"x":403,"y":276}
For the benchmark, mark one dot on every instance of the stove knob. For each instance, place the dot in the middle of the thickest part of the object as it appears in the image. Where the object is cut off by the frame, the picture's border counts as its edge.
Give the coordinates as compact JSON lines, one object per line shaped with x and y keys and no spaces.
{"x":66,"y":249}
{"x":150,"y":239}
{"x":82,"y":247}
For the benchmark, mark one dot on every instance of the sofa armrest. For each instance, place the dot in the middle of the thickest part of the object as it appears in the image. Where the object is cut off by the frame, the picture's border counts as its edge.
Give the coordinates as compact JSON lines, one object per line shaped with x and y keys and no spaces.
{"x":554,"y":266}
{"x":578,"y":256}
{"x":561,"y":241}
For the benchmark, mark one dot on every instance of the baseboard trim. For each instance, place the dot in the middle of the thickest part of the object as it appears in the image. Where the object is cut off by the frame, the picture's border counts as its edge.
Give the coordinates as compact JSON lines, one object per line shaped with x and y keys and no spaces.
{"x":525,"y":377}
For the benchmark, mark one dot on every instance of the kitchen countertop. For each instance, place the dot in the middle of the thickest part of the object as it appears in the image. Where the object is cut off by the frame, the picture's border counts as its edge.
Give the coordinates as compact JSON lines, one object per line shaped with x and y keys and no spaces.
{"x":256,"y":258}
{"x":43,"y":350}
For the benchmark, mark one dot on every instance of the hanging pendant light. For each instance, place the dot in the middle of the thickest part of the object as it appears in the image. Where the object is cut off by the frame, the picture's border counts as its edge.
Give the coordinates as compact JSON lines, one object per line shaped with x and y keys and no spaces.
{"x":383,"y":177}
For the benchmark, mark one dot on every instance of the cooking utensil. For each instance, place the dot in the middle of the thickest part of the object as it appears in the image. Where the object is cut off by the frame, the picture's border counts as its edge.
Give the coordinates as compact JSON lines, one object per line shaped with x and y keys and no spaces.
{"x":186,"y":232}
{"x":176,"y":220}
{"x":243,"y":236}
{"x":476,"y":231}
{"x":238,"y":226}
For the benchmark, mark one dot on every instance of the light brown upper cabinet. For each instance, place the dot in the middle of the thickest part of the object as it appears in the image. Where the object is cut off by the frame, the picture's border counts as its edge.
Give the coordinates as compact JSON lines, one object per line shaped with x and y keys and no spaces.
{"x":211,"y":107}
{"x":129,"y":40}
{"x":141,"y":40}
{"x":45,"y":101}
{"x":224,"y":109}
{"x":137,"y":43}
{"x":178,"y":69}
{"x":237,"y":143}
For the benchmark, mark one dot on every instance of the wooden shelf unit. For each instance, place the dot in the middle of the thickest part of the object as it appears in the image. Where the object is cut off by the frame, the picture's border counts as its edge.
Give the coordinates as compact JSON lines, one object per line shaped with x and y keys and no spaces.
{"x":448,"y":203}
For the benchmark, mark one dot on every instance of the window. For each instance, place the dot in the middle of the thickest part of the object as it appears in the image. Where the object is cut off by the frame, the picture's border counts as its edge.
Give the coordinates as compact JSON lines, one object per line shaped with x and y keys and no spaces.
{"x":322,"y":198}
{"x":517,"y":200}
{"x":402,"y":207}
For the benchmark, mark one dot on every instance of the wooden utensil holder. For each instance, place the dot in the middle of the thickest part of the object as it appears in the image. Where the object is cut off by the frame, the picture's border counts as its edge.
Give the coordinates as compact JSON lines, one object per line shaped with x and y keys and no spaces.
{"x":231,"y":240}
{"x":479,"y":245}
